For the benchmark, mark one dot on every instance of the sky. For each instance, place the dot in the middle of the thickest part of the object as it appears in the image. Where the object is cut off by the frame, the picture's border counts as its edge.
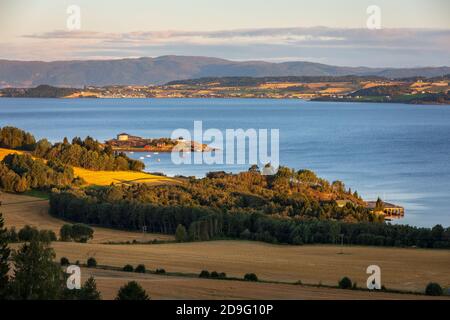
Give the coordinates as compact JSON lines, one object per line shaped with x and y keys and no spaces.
{"x":411,"y":33}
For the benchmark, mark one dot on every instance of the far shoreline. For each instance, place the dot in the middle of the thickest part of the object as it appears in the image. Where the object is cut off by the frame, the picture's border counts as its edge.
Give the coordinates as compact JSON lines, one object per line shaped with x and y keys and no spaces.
{"x":230,"y":98}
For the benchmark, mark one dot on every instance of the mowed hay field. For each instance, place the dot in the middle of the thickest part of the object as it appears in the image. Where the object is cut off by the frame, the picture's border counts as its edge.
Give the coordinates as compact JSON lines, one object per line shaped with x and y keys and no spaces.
{"x":405,"y":269}
{"x":20,"y":210}
{"x":105,"y":178}
{"x":173,"y":287}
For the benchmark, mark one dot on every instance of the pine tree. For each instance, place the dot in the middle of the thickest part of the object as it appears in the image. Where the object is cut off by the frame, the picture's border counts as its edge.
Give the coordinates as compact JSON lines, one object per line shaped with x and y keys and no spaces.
{"x":4,"y":255}
{"x":89,"y":290}
{"x":132,"y":291}
{"x":181,"y":233}
{"x":36,"y":276}
{"x":379,"y":205}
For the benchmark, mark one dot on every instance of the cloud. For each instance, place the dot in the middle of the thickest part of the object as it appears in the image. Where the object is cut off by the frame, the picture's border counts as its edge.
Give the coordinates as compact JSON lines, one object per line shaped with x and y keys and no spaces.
{"x":385,"y":47}
{"x":310,"y":36}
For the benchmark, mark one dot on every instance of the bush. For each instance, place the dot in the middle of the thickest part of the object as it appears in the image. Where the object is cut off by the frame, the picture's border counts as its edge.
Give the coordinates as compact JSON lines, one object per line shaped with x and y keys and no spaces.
{"x":28,"y":233}
{"x":128,"y":268}
{"x":47,"y":236}
{"x":64,"y":261}
{"x":345,"y":283}
{"x":140,"y":269}
{"x":181,"y":233}
{"x":78,"y":232}
{"x":204,"y":274}
{"x":91,"y":263}
{"x":65,"y":233}
{"x":217,"y":275}
{"x":132,"y":291}
{"x":434,"y":289}
{"x":160,"y":271}
{"x":12,"y":235}
{"x":81,"y":232}
{"x":250,"y":277}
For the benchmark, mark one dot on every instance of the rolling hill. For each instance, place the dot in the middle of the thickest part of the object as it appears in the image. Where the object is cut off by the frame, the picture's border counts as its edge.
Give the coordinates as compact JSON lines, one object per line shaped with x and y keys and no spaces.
{"x":160,"y":70}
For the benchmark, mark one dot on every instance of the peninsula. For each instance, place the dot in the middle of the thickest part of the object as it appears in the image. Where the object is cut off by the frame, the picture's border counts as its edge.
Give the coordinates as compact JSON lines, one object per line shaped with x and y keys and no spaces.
{"x":127,"y":142}
{"x":416,"y":90}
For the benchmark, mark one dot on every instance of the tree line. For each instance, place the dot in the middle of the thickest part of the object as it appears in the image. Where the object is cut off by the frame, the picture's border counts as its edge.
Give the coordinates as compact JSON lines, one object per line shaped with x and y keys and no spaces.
{"x":28,"y":233}
{"x":88,"y":153}
{"x":190,"y":221}
{"x":289,"y":193}
{"x":14,"y":138}
{"x":20,"y":173}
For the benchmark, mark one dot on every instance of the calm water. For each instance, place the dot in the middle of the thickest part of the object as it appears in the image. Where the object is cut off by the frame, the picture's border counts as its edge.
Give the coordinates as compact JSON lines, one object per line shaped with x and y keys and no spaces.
{"x":398,"y":152}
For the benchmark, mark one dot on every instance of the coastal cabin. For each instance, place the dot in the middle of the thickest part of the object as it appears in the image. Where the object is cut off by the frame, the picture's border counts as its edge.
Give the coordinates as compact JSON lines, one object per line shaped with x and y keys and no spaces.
{"x":389,"y":209}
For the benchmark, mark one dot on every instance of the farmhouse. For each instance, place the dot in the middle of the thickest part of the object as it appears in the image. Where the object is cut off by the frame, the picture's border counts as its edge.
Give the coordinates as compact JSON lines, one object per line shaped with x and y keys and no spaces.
{"x":127,"y":142}
{"x":127,"y":137}
{"x":388,"y":209}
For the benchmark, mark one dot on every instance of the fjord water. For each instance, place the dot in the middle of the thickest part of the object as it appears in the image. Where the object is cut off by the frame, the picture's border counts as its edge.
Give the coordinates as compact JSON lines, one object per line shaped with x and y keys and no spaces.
{"x":398,"y":152}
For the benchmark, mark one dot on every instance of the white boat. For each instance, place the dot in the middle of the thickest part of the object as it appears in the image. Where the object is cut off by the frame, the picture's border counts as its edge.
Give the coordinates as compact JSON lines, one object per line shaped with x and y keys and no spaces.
{"x":142,"y":158}
{"x":159,"y":160}
{"x":148,"y":156}
{"x":155,"y":152}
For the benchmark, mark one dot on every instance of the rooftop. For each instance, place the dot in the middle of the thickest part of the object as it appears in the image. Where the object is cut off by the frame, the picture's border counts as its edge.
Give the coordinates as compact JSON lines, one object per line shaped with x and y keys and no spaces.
{"x":372,"y":204}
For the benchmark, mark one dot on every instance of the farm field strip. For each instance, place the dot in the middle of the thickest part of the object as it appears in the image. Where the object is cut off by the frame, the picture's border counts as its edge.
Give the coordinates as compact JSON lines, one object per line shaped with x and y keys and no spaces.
{"x":170,"y":287}
{"x":402,"y":269}
{"x":20,"y":210}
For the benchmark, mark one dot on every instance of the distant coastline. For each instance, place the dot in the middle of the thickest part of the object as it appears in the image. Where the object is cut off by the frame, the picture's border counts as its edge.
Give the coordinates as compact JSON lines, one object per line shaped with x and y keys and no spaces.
{"x":417,"y":90}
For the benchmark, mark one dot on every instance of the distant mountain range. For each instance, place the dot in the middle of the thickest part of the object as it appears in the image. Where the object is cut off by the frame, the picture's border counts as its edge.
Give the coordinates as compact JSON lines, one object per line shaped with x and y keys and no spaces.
{"x":145,"y":71}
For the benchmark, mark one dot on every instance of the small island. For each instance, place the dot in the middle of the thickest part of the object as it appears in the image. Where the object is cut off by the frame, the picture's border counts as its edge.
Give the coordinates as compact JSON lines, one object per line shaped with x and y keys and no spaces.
{"x":127,"y":142}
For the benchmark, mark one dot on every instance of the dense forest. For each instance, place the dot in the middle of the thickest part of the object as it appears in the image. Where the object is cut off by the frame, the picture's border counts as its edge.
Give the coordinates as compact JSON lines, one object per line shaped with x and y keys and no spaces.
{"x":381,"y":91}
{"x":20,"y":173}
{"x":205,"y":223}
{"x":289,"y":193}
{"x":14,"y":138}
{"x":42,"y":91}
{"x":290,"y":207}
{"x":87,"y":153}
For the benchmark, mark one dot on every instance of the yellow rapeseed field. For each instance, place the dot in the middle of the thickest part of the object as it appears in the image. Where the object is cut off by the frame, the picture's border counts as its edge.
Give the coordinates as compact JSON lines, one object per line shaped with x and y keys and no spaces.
{"x":5,"y":152}
{"x":104,"y":178}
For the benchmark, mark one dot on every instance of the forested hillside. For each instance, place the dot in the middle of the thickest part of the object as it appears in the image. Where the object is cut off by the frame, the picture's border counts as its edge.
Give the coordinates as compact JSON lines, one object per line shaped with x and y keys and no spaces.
{"x":290,"y":207}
